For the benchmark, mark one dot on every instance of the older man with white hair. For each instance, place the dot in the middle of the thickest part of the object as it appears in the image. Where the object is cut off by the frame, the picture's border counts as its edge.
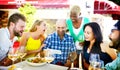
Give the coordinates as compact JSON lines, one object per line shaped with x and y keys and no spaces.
{"x":59,"y":40}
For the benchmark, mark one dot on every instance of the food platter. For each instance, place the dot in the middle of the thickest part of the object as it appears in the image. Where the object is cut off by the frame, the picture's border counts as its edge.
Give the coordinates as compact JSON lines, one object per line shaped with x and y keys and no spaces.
{"x":35,"y":61}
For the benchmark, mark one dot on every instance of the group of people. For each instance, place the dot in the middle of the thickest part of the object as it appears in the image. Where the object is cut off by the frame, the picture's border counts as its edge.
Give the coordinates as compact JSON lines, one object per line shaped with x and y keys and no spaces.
{"x":82,"y":36}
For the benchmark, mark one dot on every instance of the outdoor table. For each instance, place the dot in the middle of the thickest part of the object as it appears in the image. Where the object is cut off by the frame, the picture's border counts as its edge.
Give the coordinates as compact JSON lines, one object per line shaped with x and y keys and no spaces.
{"x":29,"y":67}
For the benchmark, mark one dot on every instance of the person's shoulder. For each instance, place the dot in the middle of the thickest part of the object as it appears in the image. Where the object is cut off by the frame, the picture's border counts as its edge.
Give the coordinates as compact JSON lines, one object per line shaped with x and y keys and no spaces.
{"x":51,"y":35}
{"x":68,"y":36}
{"x":26,"y":34}
{"x":68,"y":21}
{"x":104,"y":46}
{"x":3,"y":31}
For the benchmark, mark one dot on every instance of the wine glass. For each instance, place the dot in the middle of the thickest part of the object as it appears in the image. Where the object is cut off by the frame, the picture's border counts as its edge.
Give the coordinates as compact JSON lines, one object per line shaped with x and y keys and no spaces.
{"x":72,"y":57}
{"x":50,"y":58}
{"x":21,"y":54}
{"x":48,"y":55}
{"x":101,"y":65}
{"x":94,"y":61}
{"x":13,"y":55}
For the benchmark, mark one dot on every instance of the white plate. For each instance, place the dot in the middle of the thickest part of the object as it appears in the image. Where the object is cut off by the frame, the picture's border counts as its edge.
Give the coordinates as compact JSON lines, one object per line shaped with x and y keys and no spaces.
{"x":34,"y":64}
{"x":75,"y":69}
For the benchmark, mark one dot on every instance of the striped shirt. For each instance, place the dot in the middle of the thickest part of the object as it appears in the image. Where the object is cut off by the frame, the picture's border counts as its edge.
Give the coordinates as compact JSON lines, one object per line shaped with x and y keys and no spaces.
{"x":66,"y":45}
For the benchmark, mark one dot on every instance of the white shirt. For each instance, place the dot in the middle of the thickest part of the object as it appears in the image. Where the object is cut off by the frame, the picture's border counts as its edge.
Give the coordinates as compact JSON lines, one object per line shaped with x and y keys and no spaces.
{"x":5,"y":42}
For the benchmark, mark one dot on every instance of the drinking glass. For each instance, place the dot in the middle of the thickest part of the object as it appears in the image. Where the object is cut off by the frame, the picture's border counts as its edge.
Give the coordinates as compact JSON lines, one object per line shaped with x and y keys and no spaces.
{"x":94,"y":57}
{"x":22,"y":53}
{"x":50,"y":58}
{"x":72,"y":56}
{"x":94,"y":61}
{"x":13,"y":55}
{"x":101,"y":65}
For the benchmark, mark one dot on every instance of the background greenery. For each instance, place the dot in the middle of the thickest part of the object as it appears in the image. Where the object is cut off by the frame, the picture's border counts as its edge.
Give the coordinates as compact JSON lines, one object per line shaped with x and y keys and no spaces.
{"x":116,"y":1}
{"x":28,"y":11}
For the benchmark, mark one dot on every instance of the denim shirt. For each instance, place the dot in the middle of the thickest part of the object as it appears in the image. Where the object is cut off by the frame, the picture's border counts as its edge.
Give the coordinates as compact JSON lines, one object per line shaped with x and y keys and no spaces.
{"x":5,"y":43}
{"x":114,"y":65}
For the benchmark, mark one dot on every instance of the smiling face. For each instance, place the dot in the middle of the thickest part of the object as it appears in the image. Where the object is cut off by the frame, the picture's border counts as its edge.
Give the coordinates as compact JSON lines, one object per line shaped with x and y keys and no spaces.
{"x":89,"y":35}
{"x":74,"y":17}
{"x":19,"y":28}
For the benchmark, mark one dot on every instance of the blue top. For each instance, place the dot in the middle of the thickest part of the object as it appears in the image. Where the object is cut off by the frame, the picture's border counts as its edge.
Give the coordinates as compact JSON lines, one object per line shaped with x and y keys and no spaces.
{"x":5,"y":43}
{"x":114,"y":65}
{"x":103,"y":56}
{"x":66,"y":45}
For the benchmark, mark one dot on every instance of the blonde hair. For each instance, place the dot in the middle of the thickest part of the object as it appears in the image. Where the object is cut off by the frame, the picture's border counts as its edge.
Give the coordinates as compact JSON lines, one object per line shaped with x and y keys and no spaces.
{"x":75,"y":9}
{"x":36,"y":23}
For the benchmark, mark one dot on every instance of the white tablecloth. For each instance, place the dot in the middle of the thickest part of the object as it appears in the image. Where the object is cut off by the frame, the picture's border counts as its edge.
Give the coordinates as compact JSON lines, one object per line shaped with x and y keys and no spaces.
{"x":25,"y":66}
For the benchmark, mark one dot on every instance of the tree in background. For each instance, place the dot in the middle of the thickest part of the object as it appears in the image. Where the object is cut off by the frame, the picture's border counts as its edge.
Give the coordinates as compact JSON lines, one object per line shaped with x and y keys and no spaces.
{"x":116,"y":1}
{"x":28,"y":11}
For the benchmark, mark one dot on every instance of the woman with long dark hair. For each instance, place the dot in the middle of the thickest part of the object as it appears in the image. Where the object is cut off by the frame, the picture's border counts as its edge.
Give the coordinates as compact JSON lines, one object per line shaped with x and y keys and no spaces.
{"x":94,"y":44}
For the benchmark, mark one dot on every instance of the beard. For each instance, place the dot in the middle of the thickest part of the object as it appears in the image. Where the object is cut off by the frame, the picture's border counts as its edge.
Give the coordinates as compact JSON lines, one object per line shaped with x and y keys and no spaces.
{"x":16,"y":32}
{"x":115,"y":43}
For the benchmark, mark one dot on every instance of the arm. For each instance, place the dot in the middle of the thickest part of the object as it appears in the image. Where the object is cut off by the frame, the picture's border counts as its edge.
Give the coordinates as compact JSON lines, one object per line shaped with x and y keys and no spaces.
{"x":114,"y":65}
{"x":5,"y":44}
{"x":23,"y":41}
{"x":112,"y":52}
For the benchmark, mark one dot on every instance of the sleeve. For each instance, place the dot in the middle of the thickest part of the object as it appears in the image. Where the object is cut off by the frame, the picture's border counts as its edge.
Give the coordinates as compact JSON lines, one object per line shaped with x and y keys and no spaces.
{"x":5,"y":44}
{"x":47,"y":42}
{"x":113,"y":65}
{"x":4,"y":40}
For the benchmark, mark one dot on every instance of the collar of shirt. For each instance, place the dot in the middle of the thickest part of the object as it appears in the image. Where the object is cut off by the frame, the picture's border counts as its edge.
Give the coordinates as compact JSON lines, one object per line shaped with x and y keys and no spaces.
{"x":65,"y":36}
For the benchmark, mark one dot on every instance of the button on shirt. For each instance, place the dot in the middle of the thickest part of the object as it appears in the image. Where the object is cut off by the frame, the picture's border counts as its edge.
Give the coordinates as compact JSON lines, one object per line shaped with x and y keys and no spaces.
{"x":66,"y":45}
{"x":5,"y":43}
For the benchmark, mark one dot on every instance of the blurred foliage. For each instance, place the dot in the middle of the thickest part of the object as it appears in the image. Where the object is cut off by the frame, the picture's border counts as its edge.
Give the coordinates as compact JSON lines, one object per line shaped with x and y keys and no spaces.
{"x":50,"y":26}
{"x":28,"y":11}
{"x":116,"y":1}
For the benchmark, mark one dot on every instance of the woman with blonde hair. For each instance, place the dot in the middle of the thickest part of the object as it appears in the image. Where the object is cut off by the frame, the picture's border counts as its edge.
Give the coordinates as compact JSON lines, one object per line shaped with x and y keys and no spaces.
{"x":32,"y":41}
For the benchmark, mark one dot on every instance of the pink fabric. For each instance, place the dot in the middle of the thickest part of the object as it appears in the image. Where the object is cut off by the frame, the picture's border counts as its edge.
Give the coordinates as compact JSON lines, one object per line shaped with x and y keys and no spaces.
{"x":106,"y":7}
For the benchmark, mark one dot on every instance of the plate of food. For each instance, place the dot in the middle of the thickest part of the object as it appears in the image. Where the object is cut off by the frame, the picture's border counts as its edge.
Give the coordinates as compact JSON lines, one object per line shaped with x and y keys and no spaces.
{"x":36,"y":61}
